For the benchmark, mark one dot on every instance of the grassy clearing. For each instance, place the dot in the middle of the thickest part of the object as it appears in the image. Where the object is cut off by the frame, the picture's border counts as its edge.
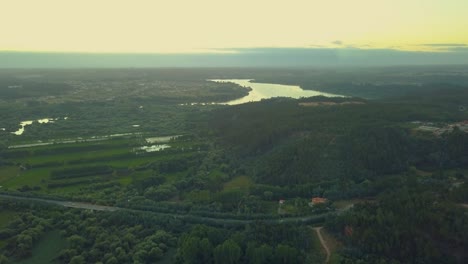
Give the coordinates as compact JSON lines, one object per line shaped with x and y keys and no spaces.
{"x":125,"y":180}
{"x":47,"y":249}
{"x":5,"y":217}
{"x":29,"y":177}
{"x":421,"y":173}
{"x":6,"y":173}
{"x":238,"y":183}
{"x":342,"y":204}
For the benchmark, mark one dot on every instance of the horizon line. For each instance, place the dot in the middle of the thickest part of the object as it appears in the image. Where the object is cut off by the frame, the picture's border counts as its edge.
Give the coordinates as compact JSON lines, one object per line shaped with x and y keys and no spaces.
{"x":429,"y":48}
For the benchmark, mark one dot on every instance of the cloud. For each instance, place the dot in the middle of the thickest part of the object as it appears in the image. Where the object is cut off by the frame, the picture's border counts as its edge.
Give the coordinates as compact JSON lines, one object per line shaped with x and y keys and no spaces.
{"x":338,"y":42}
{"x":316,"y":46}
{"x":444,"y":45}
{"x":457,"y":49}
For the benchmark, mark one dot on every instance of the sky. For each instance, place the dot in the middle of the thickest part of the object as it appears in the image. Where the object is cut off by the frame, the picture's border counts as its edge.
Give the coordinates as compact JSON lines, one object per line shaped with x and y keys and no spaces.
{"x":155,"y":26}
{"x":226,"y":26}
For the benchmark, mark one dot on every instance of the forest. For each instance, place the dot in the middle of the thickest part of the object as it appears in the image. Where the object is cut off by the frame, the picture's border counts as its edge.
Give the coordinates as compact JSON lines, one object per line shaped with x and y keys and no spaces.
{"x":194,"y":183}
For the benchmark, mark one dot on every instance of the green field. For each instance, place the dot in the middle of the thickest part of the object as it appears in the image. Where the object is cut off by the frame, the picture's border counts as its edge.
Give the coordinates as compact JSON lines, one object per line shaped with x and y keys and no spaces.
{"x":32,"y":168}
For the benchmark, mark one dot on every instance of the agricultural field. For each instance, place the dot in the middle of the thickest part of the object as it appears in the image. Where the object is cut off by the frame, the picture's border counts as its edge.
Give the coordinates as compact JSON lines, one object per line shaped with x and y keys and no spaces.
{"x":68,"y":169}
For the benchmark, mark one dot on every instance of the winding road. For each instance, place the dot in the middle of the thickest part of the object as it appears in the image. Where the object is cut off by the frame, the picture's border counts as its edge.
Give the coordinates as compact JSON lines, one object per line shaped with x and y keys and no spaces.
{"x":186,"y":217}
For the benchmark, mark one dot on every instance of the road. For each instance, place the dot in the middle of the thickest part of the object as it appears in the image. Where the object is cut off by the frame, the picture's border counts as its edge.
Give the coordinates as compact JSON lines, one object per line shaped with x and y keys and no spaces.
{"x":186,"y":217}
{"x":64,"y":203}
{"x":322,"y":241}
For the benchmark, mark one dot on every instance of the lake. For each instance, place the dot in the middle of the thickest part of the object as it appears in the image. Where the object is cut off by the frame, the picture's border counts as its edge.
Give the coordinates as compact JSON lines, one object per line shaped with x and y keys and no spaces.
{"x":268,"y":90}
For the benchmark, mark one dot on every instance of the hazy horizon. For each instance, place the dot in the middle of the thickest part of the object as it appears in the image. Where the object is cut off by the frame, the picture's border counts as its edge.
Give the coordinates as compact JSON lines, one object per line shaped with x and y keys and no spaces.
{"x":256,"y":57}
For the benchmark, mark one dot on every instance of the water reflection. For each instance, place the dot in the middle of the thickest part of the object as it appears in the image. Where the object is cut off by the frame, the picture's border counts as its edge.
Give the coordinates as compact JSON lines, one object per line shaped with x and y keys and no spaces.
{"x":268,"y":90}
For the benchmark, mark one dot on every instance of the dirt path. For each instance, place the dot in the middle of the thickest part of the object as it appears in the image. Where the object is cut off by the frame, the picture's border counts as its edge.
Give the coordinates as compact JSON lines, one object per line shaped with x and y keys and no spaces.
{"x":322,"y":241}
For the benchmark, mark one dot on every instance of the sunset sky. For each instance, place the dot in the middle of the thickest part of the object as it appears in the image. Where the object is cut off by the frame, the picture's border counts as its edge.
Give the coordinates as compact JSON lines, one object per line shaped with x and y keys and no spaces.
{"x":218,"y":26}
